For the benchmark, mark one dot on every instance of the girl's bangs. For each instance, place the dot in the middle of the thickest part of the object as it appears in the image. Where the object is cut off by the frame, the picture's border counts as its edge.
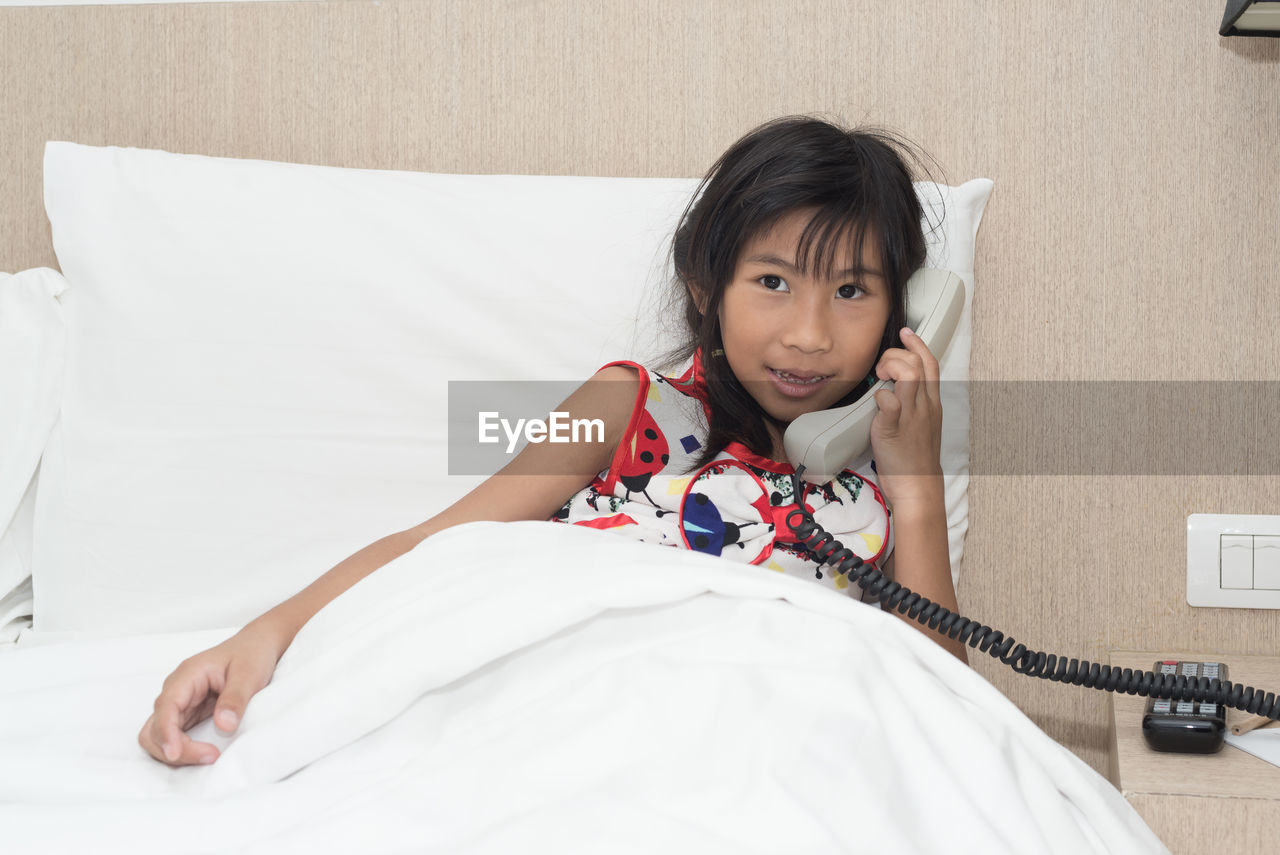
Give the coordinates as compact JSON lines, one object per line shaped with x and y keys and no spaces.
{"x":835,"y":238}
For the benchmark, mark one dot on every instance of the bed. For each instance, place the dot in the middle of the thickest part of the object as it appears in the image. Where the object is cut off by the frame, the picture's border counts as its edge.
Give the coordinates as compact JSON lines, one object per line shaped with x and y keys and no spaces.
{"x":244,"y":370}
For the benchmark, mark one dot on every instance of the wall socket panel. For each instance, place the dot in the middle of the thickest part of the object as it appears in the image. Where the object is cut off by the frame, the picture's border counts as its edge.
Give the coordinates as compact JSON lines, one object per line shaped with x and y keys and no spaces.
{"x":1233,"y":561}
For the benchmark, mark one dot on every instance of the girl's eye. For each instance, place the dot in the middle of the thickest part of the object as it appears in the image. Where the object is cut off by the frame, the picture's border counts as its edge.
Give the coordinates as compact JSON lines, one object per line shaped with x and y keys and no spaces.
{"x":774,"y":283}
{"x":849,"y":291}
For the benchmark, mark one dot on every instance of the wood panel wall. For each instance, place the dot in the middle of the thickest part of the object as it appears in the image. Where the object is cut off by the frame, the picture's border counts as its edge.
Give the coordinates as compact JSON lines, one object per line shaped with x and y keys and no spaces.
{"x":1131,"y":235}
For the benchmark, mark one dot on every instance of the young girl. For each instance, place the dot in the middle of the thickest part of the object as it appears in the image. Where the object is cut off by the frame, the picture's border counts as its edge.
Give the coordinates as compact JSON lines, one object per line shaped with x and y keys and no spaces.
{"x":791,"y":264}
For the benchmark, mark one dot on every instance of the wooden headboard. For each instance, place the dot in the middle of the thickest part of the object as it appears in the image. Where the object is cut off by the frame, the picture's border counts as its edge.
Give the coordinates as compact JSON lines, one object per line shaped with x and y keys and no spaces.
{"x":1131,"y":234}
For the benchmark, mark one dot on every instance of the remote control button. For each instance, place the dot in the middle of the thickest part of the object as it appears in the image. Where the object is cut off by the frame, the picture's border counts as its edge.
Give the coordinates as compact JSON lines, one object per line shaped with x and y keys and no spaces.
{"x":1161,"y":706}
{"x":1185,"y":707}
{"x":1208,"y":709}
{"x":1191,"y":669}
{"x":1209,"y":670}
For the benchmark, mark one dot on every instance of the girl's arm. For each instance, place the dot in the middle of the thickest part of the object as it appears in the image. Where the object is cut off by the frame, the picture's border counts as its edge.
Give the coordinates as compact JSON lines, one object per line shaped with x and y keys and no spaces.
{"x":907,"y":439}
{"x":920,"y":561}
{"x":533,"y":486}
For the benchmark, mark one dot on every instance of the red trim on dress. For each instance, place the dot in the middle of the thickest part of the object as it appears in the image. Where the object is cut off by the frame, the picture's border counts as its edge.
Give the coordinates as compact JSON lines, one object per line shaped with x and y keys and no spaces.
{"x":607,"y":522}
{"x":741,"y":452}
{"x":888,"y":518}
{"x":693,"y":382}
{"x":642,"y":395}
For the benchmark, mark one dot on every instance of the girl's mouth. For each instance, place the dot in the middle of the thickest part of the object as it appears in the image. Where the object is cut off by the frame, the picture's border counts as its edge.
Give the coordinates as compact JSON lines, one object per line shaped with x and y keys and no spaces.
{"x":797,"y":386}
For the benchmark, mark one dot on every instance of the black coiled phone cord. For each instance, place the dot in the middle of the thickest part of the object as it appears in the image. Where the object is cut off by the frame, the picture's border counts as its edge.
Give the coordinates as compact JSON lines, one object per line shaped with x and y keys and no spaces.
{"x":1017,"y":656}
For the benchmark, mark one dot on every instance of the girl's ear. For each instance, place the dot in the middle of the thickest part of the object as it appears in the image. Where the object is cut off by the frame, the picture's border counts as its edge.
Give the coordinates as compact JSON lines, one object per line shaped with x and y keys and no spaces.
{"x":698,"y":296}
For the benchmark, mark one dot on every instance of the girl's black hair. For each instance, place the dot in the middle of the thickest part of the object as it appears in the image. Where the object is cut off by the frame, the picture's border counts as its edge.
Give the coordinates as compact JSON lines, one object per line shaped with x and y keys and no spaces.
{"x":857,"y":181}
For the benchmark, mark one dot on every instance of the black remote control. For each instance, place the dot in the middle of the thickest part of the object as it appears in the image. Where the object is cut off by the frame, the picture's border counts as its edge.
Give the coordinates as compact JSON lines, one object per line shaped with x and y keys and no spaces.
{"x":1187,"y":727}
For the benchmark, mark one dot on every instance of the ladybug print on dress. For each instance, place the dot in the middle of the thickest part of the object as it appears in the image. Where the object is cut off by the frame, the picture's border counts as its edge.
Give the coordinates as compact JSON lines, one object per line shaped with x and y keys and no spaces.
{"x":704,"y":528}
{"x":648,"y":456}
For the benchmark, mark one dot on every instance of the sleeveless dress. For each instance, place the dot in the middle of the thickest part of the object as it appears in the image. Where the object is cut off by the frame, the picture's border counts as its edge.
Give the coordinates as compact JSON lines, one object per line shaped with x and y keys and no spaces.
{"x":735,"y":506}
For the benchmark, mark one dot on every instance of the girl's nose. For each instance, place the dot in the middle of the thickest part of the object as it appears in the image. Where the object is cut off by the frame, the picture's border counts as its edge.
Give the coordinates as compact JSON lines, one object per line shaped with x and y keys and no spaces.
{"x":807,"y":327}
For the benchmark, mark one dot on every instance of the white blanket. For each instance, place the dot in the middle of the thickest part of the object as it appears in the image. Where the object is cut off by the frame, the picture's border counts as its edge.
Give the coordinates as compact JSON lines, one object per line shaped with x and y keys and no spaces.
{"x":534,"y":687}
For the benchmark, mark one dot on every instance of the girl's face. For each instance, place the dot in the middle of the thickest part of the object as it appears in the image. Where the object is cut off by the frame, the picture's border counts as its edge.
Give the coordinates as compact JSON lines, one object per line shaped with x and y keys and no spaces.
{"x":801,"y":342}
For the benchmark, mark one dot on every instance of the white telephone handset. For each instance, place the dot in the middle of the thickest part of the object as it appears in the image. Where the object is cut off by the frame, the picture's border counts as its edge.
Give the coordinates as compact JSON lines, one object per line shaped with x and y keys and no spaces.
{"x":825,"y":441}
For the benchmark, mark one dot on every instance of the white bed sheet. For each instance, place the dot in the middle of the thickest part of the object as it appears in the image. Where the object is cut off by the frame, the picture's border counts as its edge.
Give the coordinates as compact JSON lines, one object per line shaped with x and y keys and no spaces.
{"x":535,"y":687}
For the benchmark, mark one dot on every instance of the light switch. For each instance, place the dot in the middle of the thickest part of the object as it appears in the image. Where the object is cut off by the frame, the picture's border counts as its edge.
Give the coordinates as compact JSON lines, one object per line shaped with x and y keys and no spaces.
{"x":1237,"y":561}
{"x":1233,"y":561}
{"x":1266,"y":562}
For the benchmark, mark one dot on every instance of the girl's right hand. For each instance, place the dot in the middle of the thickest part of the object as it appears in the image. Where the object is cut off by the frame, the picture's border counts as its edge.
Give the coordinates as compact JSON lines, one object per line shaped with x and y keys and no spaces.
{"x":220,"y":681}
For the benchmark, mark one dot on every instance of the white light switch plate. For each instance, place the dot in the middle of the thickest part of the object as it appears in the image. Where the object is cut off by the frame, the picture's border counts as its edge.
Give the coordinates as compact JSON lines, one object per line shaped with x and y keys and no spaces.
{"x":1207,"y":584}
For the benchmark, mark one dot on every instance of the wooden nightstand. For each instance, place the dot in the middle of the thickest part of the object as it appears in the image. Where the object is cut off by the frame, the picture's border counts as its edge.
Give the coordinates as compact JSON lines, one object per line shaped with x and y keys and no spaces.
{"x":1226,"y":802}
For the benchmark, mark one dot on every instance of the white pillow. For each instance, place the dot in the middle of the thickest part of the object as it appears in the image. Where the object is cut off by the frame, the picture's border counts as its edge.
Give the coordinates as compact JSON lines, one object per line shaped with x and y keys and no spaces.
{"x":960,"y":211}
{"x":260,"y":354}
{"x":32,"y":355}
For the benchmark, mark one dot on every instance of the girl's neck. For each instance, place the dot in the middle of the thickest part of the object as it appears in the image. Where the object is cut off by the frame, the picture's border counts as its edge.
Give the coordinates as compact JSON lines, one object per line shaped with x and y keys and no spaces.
{"x":778,"y":453}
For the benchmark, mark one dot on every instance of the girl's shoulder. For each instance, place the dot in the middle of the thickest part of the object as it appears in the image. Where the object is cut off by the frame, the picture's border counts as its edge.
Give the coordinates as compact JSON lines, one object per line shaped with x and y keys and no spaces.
{"x":650,"y":385}
{"x":621,"y":386}
{"x":688,"y":381}
{"x":622,"y":371}
{"x":616,"y":388}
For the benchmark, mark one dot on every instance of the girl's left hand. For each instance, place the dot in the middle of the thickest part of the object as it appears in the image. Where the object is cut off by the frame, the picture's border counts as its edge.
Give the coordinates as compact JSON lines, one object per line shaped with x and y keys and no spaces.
{"x":906,"y":435}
